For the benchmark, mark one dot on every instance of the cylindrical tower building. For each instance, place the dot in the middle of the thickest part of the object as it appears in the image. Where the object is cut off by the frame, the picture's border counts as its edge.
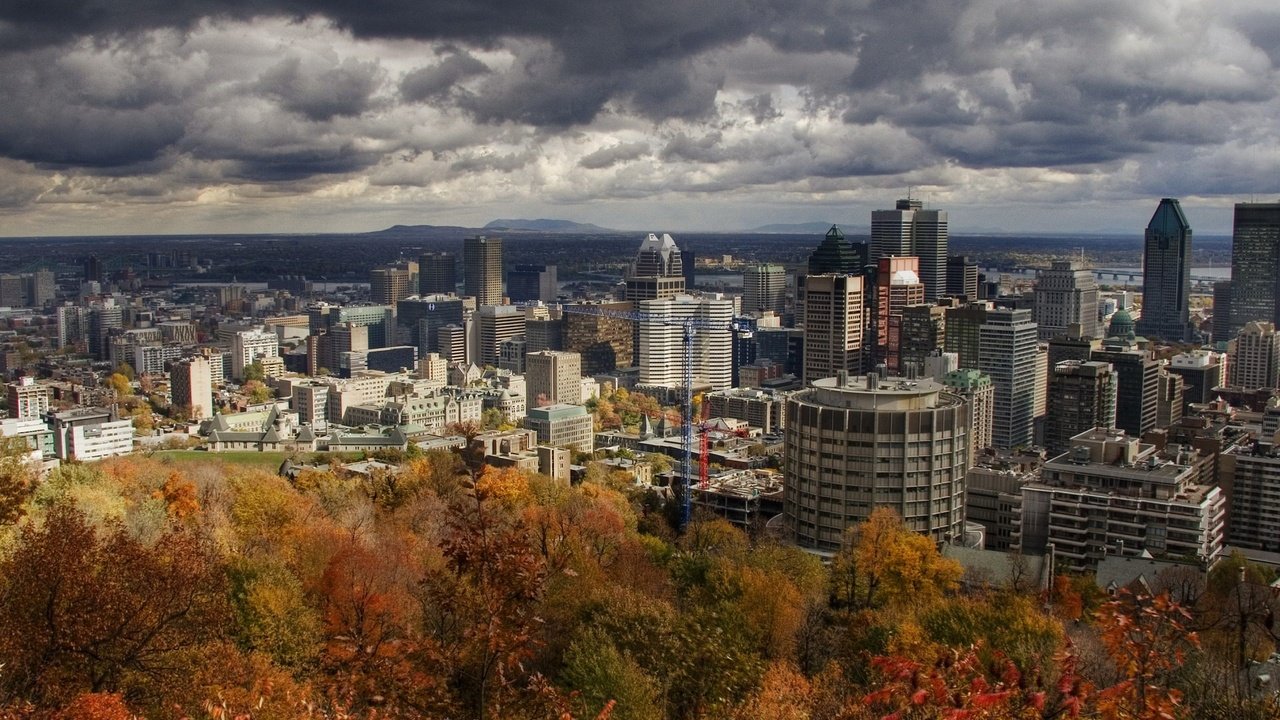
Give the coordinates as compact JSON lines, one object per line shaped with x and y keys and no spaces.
{"x":855,"y":443}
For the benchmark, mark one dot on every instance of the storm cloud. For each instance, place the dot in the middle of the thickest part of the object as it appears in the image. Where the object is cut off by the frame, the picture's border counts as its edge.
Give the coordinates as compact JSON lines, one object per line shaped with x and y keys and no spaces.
{"x":726,"y":103}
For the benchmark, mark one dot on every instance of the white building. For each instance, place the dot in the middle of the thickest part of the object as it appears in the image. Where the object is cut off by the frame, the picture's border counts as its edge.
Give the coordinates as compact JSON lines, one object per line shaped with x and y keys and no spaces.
{"x":249,"y":345}
{"x":661,"y":348}
{"x":88,"y":434}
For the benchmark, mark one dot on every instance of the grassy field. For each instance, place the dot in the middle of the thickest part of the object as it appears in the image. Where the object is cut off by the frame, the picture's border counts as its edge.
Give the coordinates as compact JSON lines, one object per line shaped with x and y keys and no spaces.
{"x":265,"y":460}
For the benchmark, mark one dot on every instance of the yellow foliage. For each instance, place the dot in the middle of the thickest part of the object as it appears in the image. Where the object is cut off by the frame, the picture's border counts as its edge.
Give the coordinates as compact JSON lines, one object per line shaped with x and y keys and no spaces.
{"x":507,"y":485}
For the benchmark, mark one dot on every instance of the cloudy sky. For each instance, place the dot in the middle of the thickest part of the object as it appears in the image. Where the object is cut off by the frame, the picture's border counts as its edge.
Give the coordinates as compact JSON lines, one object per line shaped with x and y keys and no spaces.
{"x":311,"y":115}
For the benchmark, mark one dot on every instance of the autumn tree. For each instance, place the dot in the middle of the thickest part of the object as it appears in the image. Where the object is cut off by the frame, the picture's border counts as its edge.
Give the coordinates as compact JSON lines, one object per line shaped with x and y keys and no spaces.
{"x":1148,"y":640}
{"x":17,"y":477}
{"x":80,"y":612}
{"x":885,"y":562}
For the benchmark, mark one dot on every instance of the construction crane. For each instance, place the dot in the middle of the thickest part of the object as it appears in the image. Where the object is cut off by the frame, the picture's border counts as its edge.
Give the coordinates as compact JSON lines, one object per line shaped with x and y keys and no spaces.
{"x":689,"y":327}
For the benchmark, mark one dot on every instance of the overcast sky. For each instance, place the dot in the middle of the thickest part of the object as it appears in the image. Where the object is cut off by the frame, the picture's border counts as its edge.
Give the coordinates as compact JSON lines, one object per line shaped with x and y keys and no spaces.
{"x":135,"y":116}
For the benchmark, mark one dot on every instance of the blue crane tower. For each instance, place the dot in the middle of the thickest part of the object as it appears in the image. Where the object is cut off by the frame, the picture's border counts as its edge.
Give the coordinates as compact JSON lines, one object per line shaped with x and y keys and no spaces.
{"x":689,"y":327}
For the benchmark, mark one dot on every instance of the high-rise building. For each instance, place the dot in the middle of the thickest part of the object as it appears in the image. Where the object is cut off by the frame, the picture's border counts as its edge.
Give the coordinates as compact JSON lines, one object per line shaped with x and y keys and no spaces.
{"x":1065,"y":295}
{"x":1166,"y":274}
{"x":482,"y":269}
{"x":964,"y":331}
{"x":1008,"y":353}
{"x":1137,"y":386}
{"x":27,"y":399}
{"x":544,"y":334}
{"x":661,"y":349}
{"x":911,"y":230}
{"x":764,"y":288}
{"x":437,"y":273}
{"x":658,"y":270}
{"x":529,"y":282}
{"x":1082,"y":396}
{"x":389,"y":285}
{"x":93,"y":270}
{"x":1249,"y":474}
{"x":834,"y":255}
{"x":1201,"y":372}
{"x":250,"y":345}
{"x":833,"y":324}
{"x":1169,"y":399}
{"x":853,"y":444}
{"x":494,"y":325}
{"x":605,"y":343}
{"x":1253,"y":357}
{"x":924,"y":333}
{"x":898,"y":286}
{"x":979,"y":396}
{"x":553,"y":377}
{"x":418,"y":318}
{"x":962,"y":277}
{"x":1255,"y":265}
{"x":191,"y":385}
{"x":73,"y":321}
{"x":451,"y":343}
{"x":104,"y":316}
{"x":340,"y":339}
{"x":1222,"y":311}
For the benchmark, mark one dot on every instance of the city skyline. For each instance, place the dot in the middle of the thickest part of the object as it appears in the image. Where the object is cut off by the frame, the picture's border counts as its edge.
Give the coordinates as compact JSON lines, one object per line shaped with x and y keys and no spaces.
{"x":306,"y":117}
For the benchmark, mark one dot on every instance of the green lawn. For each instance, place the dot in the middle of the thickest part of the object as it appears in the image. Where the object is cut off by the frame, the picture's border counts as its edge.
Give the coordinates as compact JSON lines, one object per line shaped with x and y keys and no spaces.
{"x":265,"y":460}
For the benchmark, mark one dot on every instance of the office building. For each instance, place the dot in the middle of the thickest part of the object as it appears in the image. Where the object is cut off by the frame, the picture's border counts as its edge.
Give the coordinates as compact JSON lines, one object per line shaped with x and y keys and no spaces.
{"x":1249,"y":474}
{"x":1166,"y":274}
{"x":657,"y":272}
{"x":1112,"y":495}
{"x":1222,"y":311}
{"x":530,"y":283}
{"x":1082,"y":396}
{"x":924,"y":333}
{"x":1253,"y":357}
{"x":1201,"y":371}
{"x":1066,"y":295}
{"x":496,"y":324}
{"x":104,"y":316}
{"x":1169,"y":399}
{"x":1255,"y":265}
{"x":1072,"y":345}
{"x":911,"y":230}
{"x":964,"y":331}
{"x":72,"y":324}
{"x":563,"y":426}
{"x":419,"y":318}
{"x":553,"y":377}
{"x":835,"y":255}
{"x":88,"y":434}
{"x":661,"y":349}
{"x":605,"y":343}
{"x":250,"y":345}
{"x":451,"y":343}
{"x":833,"y":335}
{"x":544,"y":334}
{"x":482,"y":269}
{"x":437,"y":274}
{"x":898,"y":285}
{"x":764,"y":288}
{"x":962,"y":277}
{"x":979,"y":395}
{"x":387,"y":286}
{"x":1137,"y":386}
{"x":191,"y":387}
{"x":1008,"y":353}
{"x":27,"y":399}
{"x":853,"y":444}
{"x":380,"y":319}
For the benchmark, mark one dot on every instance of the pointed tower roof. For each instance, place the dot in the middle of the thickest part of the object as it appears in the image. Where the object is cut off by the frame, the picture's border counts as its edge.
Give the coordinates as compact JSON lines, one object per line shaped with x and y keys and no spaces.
{"x":1168,"y":219}
{"x":833,"y":255}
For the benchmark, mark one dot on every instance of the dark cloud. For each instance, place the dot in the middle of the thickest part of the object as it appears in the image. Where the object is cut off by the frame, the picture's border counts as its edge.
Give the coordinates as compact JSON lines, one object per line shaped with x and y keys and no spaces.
{"x":432,"y":81}
{"x":609,"y":156}
{"x":323,"y":93}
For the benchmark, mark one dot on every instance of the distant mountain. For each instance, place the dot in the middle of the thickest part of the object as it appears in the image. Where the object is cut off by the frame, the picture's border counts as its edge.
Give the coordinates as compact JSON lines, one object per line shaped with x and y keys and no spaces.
{"x":816,"y":228}
{"x":544,"y":225}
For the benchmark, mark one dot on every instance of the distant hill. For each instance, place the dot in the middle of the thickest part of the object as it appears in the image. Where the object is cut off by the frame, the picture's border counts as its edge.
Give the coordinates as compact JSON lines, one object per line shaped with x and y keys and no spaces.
{"x":816,"y":228}
{"x":544,"y":225}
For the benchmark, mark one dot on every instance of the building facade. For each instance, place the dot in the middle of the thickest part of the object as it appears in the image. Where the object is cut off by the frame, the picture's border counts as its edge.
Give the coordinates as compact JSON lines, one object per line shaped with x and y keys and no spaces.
{"x":1066,"y":295}
{"x":1008,"y":353}
{"x":482,"y":269}
{"x":1166,"y":274}
{"x":833,"y":322}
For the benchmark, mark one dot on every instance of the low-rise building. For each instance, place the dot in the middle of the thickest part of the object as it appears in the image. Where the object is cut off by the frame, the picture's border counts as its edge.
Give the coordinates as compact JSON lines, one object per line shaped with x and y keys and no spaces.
{"x":562,"y":426}
{"x":89,"y":434}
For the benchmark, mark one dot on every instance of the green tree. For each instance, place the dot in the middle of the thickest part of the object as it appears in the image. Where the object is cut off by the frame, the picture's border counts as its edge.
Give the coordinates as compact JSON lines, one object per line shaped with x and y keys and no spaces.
{"x":127,"y":371}
{"x":253,"y":371}
{"x":601,"y":673}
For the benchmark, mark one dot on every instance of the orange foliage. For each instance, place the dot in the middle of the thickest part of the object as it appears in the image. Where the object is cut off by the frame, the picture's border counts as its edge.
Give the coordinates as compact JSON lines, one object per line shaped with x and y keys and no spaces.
{"x":507,"y":485}
{"x":179,"y":496}
{"x":96,"y":706}
{"x":1148,"y":640}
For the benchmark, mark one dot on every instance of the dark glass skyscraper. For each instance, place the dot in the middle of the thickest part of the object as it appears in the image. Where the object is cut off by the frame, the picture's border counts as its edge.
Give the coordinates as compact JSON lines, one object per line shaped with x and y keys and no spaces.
{"x":836,"y":256}
{"x":1166,"y":274}
{"x":1255,"y":265}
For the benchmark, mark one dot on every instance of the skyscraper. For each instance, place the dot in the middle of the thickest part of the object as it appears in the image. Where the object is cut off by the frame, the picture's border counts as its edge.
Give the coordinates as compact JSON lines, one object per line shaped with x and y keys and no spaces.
{"x":191,"y":384}
{"x":835,"y":255}
{"x":658,"y":270}
{"x":530,"y":282}
{"x":388,"y":285}
{"x":911,"y":230}
{"x":1137,"y":386}
{"x":924,"y":333}
{"x":553,"y":377}
{"x":496,"y":324}
{"x":661,"y":348}
{"x":833,"y":325}
{"x":764,"y":287}
{"x":1255,"y":265}
{"x":482,"y":269}
{"x":898,"y":286}
{"x":962,"y":277}
{"x":1007,"y":351}
{"x":853,"y":444}
{"x":1066,"y":294}
{"x":1082,"y":396}
{"x":437,"y":273}
{"x":1166,"y":274}
{"x":1253,"y":357}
